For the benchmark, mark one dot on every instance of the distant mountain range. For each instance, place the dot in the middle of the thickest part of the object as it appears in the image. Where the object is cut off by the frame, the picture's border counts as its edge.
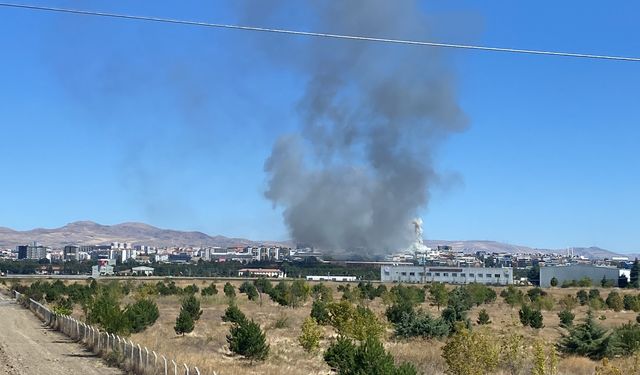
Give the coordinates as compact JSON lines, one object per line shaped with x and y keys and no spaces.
{"x":90,"y":233}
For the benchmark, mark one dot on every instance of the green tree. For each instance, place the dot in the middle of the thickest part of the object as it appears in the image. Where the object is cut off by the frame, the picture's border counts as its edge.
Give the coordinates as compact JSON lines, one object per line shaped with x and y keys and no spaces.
{"x":141,"y":314}
{"x":631,"y":303}
{"x":471,"y":353}
{"x":635,"y":274}
{"x":554,"y":282}
{"x":320,"y":313}
{"x":367,"y":358}
{"x":585,"y":282}
{"x":354,"y":322}
{"x":184,"y":323}
{"x":583,"y":297}
{"x":421,"y":324}
{"x":530,"y":317}
{"x":624,"y":341}
{"x":229,"y":290}
{"x":233,"y":314}
{"x":395,"y":312}
{"x":311,"y":335}
{"x":247,"y":339}
{"x":483,"y":317}
{"x":614,"y":301}
{"x":566,"y":318}
{"x":438,"y":294}
{"x":568,"y":302}
{"x":587,"y":339}
{"x":512,"y":296}
{"x":192,"y":306}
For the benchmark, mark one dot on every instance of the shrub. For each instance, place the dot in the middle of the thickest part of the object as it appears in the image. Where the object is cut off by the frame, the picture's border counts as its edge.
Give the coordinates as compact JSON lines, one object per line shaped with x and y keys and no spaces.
{"x":354,"y":322}
{"x":631,"y":302}
{"x":250,"y":290}
{"x":281,"y":322}
{"x":184,"y":323}
{"x":566,"y":318}
{"x":233,"y":314}
{"x":512,"y":296}
{"x":614,"y":301}
{"x":554,"y":282}
{"x":247,"y":339}
{"x":229,"y":290}
{"x":471,"y":352}
{"x":568,"y":302}
{"x":311,"y":335}
{"x":190,"y":289}
{"x":483,"y":317}
{"x":320,"y":313}
{"x":624,"y":341}
{"x":396,"y":311}
{"x":367,"y":358}
{"x":421,"y":324}
{"x":583,"y":297}
{"x":210,"y":290}
{"x":530,"y":317}
{"x":585,"y":282}
{"x":263,"y":285}
{"x":322,"y":292}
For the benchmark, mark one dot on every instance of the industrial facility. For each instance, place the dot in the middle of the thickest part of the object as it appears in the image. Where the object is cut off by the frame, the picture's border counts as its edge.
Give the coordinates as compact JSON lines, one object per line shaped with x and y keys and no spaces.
{"x":449,"y":275}
{"x":578,"y":271}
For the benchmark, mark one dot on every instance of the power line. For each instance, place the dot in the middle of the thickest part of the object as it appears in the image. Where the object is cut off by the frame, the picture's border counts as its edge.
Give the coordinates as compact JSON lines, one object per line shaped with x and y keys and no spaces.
{"x":321,"y":35}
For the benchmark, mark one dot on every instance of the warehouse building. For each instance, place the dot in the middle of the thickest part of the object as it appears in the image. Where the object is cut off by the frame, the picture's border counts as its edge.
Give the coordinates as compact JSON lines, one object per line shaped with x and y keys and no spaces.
{"x":449,"y":275}
{"x":577,"y":272}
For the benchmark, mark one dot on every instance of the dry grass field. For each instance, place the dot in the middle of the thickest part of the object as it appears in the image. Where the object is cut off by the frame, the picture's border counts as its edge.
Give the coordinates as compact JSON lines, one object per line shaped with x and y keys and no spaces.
{"x":206,"y":346}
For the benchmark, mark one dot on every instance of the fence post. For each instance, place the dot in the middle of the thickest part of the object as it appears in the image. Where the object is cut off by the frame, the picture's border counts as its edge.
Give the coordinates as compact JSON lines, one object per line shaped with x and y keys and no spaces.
{"x":155,"y":362}
{"x":186,"y":369}
{"x":166,"y":369}
{"x":139,"y":356}
{"x":175,"y":367}
{"x":146,"y":358}
{"x":133,"y":348}
{"x":197,"y":371}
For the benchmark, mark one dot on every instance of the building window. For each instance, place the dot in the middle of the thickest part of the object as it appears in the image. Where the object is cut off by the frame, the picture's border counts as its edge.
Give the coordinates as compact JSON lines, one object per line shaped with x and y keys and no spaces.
{"x":428,"y":273}
{"x":462,"y":275}
{"x":386,"y":273}
{"x":420,"y":273}
{"x":445,"y":274}
{"x":488,"y":275}
{"x":497,"y":275}
{"x":437,"y":273}
{"x":470,"y":275}
{"x":412,"y":273}
{"x":403,"y":273}
{"x":454,"y":274}
{"x":479,"y":275}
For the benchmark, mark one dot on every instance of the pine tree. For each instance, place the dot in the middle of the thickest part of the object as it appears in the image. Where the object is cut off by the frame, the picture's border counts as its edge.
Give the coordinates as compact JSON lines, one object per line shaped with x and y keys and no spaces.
{"x":192,"y":306}
{"x":229,"y":290}
{"x":233,"y":314}
{"x":483,"y":317}
{"x":184,"y":323}
{"x":635,"y":273}
{"x":247,"y":339}
{"x":587,"y":339}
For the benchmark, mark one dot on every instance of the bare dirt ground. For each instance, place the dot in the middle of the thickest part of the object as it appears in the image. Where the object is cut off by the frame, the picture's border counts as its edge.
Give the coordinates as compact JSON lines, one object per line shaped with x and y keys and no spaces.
{"x":27,"y":347}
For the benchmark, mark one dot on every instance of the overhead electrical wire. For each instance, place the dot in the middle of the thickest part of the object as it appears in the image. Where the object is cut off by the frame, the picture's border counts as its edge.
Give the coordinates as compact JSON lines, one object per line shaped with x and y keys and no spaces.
{"x":321,"y":35}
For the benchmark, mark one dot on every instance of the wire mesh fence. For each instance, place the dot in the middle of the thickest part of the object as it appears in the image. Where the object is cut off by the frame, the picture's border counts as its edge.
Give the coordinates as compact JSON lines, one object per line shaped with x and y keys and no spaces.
{"x":116,"y":350}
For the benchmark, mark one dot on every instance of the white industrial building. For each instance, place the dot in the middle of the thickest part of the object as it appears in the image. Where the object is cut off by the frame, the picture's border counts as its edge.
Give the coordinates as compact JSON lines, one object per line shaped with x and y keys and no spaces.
{"x":578,"y":271}
{"x":331,"y":278}
{"x":449,"y":275}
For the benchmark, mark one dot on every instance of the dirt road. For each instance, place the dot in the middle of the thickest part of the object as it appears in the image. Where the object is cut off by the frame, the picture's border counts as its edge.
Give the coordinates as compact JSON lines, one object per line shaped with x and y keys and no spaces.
{"x":28,"y":348}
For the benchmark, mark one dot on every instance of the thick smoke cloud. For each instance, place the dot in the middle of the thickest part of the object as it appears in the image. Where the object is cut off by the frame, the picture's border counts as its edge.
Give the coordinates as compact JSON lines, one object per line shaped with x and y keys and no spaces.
{"x":371,"y":116}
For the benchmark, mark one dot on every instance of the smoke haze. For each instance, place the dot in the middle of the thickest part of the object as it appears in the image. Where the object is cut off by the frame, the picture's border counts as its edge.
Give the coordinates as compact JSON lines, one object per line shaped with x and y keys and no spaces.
{"x":361,"y":166}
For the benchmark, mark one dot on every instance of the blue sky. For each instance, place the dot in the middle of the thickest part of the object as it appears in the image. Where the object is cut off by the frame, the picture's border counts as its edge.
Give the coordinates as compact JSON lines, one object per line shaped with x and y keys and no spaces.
{"x":112,"y":121}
